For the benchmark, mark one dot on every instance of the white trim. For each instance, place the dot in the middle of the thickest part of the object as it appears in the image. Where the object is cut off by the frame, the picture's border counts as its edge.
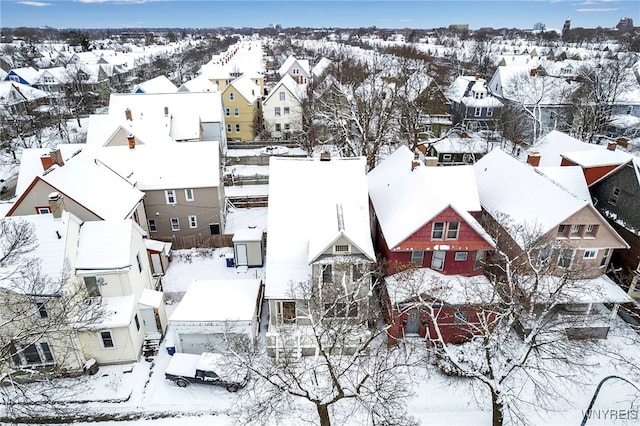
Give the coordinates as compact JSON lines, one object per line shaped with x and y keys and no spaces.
{"x":186,"y":194}
{"x":168,"y":194}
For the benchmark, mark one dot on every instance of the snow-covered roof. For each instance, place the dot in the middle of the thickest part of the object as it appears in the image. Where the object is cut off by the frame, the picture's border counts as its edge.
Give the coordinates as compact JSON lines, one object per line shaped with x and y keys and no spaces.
{"x":322,"y":65}
{"x":246,"y":87}
{"x":218,"y":300}
{"x":198,"y":84}
{"x":597,"y":157}
{"x":105,"y":130}
{"x":116,"y":312}
{"x":165,"y":166}
{"x":151,"y":298}
{"x":110,"y":196}
{"x":159,"y":246}
{"x":31,"y":165}
{"x":593,"y":290}
{"x":248,"y":234}
{"x":12,"y":93}
{"x":303,"y":64}
{"x":28,"y":74}
{"x":554,"y":143}
{"x":159,"y":84}
{"x":571,"y":178}
{"x":405,"y":200}
{"x":297,"y":90}
{"x":310,"y":206}
{"x":104,"y":245}
{"x":476,"y":144}
{"x":51,"y":236}
{"x":426,"y":284}
{"x":507,"y":186}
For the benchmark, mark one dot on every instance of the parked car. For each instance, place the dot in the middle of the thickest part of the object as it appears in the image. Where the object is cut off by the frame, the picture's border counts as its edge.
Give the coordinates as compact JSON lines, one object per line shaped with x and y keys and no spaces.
{"x":209,"y":368}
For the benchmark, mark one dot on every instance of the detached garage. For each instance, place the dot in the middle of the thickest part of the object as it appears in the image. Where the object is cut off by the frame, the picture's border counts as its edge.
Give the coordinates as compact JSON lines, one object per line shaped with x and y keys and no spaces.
{"x":214,"y":311}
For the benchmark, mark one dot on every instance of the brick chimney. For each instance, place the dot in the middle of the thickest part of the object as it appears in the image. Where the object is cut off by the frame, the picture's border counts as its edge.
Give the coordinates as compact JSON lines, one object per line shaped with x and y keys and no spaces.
{"x":611,"y":146}
{"x":533,"y":159}
{"x":325,"y":156}
{"x":127,"y":114}
{"x":132,"y":141}
{"x":53,"y":157}
{"x":56,"y":204}
{"x":415,"y":162}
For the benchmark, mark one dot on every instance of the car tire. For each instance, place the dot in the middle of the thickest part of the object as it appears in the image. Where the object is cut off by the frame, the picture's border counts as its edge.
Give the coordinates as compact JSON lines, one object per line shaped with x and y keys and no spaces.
{"x":182,"y":383}
{"x":232,"y":388}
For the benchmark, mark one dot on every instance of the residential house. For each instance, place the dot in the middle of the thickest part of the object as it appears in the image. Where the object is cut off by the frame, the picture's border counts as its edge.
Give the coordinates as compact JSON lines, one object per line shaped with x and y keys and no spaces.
{"x":213,"y":313}
{"x":54,"y":81}
{"x":17,"y":99}
{"x":458,"y":148}
{"x":27,"y":75}
{"x":596,"y":163}
{"x":529,"y":211}
{"x":159,"y":84}
{"x":244,"y":58}
{"x":282,"y":109}
{"x":616,"y":196}
{"x":298,"y":69}
{"x":183,"y":193}
{"x":319,"y":250}
{"x":427,"y":234}
{"x":472,"y":105}
{"x":241,"y":101}
{"x":43,"y":172}
{"x":89,"y":308}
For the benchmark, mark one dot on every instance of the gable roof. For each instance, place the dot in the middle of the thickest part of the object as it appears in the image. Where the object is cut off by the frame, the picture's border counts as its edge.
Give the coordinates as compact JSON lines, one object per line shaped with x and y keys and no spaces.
{"x":105,"y":245}
{"x":246,"y":87}
{"x":597,"y":157}
{"x":405,"y":200}
{"x":287,"y":82}
{"x":159,"y":84}
{"x":290,"y":62}
{"x":553,"y":144}
{"x":510,"y":187}
{"x":29,"y":74}
{"x":304,"y":219}
{"x":571,"y":178}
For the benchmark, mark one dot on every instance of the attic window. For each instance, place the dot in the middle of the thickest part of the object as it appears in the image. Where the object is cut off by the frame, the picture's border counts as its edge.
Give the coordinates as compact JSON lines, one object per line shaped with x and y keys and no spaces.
{"x":341,"y":248}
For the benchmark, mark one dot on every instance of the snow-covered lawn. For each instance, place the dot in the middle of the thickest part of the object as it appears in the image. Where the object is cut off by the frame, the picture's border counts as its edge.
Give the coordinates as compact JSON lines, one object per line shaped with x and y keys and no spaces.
{"x":140,"y":389}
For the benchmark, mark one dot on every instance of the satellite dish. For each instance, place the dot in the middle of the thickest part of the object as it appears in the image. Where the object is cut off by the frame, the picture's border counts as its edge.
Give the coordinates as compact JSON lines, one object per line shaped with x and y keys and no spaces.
{"x":101,"y":281}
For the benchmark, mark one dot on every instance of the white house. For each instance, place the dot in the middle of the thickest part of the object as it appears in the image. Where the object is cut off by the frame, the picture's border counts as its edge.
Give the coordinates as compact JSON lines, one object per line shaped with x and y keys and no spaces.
{"x":282,"y":108}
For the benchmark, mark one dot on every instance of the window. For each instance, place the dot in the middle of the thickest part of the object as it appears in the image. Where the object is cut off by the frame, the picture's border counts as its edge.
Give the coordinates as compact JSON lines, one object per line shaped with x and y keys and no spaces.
{"x":214,"y":228}
{"x":175,"y":224}
{"x":278,"y":127}
{"x":489,"y":112}
{"x":477,"y":112}
{"x":605,"y":256}
{"x":41,"y":308}
{"x":461,"y":317}
{"x":417,"y":257}
{"x":615,"y":193}
{"x":287,"y":111}
{"x":287,"y":127}
{"x":33,"y":354}
{"x":295,"y":71}
{"x":282,"y":95}
{"x":327,"y":275}
{"x":106,"y":339}
{"x":437,"y":260}
{"x":277,"y":111}
{"x":227,"y":111}
{"x":437,"y":233}
{"x":357,"y":273}
{"x":460,"y":256}
{"x":287,"y":311}
{"x":575,"y":229}
{"x":170,"y":196}
{"x":229,"y":128}
{"x":236,"y":112}
{"x":564,"y":258}
{"x":590,"y":254}
{"x":446,"y":157}
{"x":452,"y":230}
{"x":341,"y":248}
{"x":193,"y":221}
{"x":237,"y":127}
{"x":544,"y":255}
{"x":479,"y":260}
{"x":562,"y":229}
{"x":43,"y":210}
{"x":91,"y":284}
{"x":188,"y":194}
{"x":231,"y":96}
{"x":135,"y":318}
{"x":139,"y":260}
{"x":152,"y":225}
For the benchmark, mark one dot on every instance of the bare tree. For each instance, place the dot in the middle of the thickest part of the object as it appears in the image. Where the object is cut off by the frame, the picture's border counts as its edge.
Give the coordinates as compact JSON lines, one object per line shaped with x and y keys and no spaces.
{"x":602,"y":84}
{"x":39,"y":316}
{"x":351,"y":374}
{"x":517,"y":343}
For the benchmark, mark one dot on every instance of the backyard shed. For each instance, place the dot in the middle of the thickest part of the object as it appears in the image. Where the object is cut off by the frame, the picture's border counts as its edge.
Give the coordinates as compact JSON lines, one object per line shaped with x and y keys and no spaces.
{"x":248,"y":249}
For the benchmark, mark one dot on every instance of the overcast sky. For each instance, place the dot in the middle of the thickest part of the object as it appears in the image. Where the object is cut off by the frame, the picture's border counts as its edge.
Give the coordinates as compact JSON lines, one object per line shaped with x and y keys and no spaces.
{"x":363,"y":13}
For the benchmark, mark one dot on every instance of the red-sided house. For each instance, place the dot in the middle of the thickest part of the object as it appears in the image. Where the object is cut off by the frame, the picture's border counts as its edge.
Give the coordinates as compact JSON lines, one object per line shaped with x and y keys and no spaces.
{"x":426,"y":304}
{"x":424,"y":226}
{"x":424,"y":216}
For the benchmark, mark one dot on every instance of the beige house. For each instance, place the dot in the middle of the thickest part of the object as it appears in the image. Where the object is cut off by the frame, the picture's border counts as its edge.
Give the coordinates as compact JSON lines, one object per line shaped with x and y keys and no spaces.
{"x":91,"y":309}
{"x":548,"y":212}
{"x":241,"y":103}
